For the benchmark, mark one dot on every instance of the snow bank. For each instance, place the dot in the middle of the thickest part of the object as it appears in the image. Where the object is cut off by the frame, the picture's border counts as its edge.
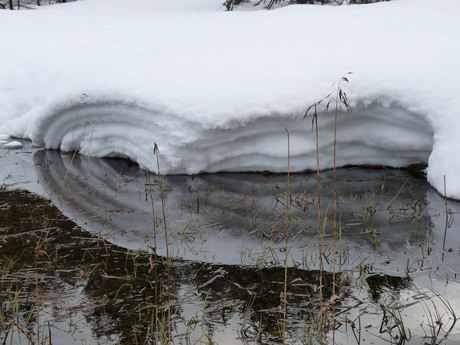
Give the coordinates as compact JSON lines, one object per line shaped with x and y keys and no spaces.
{"x":216,"y":90}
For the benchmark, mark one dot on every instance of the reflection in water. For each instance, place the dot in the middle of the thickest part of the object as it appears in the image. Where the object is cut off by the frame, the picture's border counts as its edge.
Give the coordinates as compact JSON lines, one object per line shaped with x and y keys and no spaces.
{"x":98,"y":292}
{"x":110,"y":294}
{"x":393,"y":219}
{"x":232,"y":227}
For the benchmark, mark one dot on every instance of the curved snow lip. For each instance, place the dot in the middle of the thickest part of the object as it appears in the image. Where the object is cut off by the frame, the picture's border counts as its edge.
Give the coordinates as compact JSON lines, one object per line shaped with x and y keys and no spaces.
{"x":371,"y":133}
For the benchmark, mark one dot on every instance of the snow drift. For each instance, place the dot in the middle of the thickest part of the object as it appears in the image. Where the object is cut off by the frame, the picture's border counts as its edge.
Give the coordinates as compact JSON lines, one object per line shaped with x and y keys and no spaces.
{"x":216,"y":90}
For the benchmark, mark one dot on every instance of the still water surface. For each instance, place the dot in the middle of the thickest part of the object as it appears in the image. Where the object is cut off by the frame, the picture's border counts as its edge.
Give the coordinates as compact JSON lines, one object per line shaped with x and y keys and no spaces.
{"x":395,"y":261}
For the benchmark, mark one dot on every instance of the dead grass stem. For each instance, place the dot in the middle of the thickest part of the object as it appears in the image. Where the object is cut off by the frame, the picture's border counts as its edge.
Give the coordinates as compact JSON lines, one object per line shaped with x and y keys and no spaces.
{"x":157,"y":154}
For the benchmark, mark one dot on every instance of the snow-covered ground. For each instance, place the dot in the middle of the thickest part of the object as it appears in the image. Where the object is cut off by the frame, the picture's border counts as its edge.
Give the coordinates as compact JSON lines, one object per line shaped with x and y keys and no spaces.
{"x":216,"y":90}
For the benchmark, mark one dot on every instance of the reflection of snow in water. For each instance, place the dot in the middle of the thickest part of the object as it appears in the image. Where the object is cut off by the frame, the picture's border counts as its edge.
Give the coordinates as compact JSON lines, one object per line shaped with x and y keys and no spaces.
{"x":240,"y":218}
{"x":231,"y":216}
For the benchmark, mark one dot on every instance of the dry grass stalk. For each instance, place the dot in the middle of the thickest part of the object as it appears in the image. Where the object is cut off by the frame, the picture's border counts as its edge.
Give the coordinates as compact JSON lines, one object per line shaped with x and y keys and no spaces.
{"x":156,"y":151}
{"x":288,"y":202}
{"x":37,"y":253}
{"x":340,"y":99}
{"x":320,"y":230}
{"x":100,"y":238}
{"x":154,"y":249}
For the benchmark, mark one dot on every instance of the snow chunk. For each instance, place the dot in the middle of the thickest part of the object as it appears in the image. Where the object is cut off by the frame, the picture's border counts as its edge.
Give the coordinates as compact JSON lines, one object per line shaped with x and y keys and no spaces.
{"x":12,"y":145}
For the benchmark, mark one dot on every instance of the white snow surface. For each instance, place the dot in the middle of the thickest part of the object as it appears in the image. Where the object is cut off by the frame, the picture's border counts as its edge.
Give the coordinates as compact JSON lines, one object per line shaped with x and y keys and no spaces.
{"x":215,"y":90}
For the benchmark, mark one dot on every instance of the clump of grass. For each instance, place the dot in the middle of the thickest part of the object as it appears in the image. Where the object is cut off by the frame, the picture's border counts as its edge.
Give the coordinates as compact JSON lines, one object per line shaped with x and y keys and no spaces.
{"x":340,"y":100}
{"x":392,"y":319}
{"x":440,"y":323}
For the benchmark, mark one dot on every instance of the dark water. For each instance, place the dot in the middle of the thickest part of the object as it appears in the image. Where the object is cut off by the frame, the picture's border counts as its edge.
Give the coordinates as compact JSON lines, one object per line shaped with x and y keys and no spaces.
{"x":99,"y":281}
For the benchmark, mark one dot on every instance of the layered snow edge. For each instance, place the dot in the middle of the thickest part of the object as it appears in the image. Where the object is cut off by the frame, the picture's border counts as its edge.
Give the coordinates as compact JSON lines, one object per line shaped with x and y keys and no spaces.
{"x":370,"y":133}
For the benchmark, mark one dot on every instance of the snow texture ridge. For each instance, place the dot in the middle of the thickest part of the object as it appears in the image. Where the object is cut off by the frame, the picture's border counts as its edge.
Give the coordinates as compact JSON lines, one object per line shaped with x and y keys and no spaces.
{"x":216,"y":90}
{"x":369,"y":134}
